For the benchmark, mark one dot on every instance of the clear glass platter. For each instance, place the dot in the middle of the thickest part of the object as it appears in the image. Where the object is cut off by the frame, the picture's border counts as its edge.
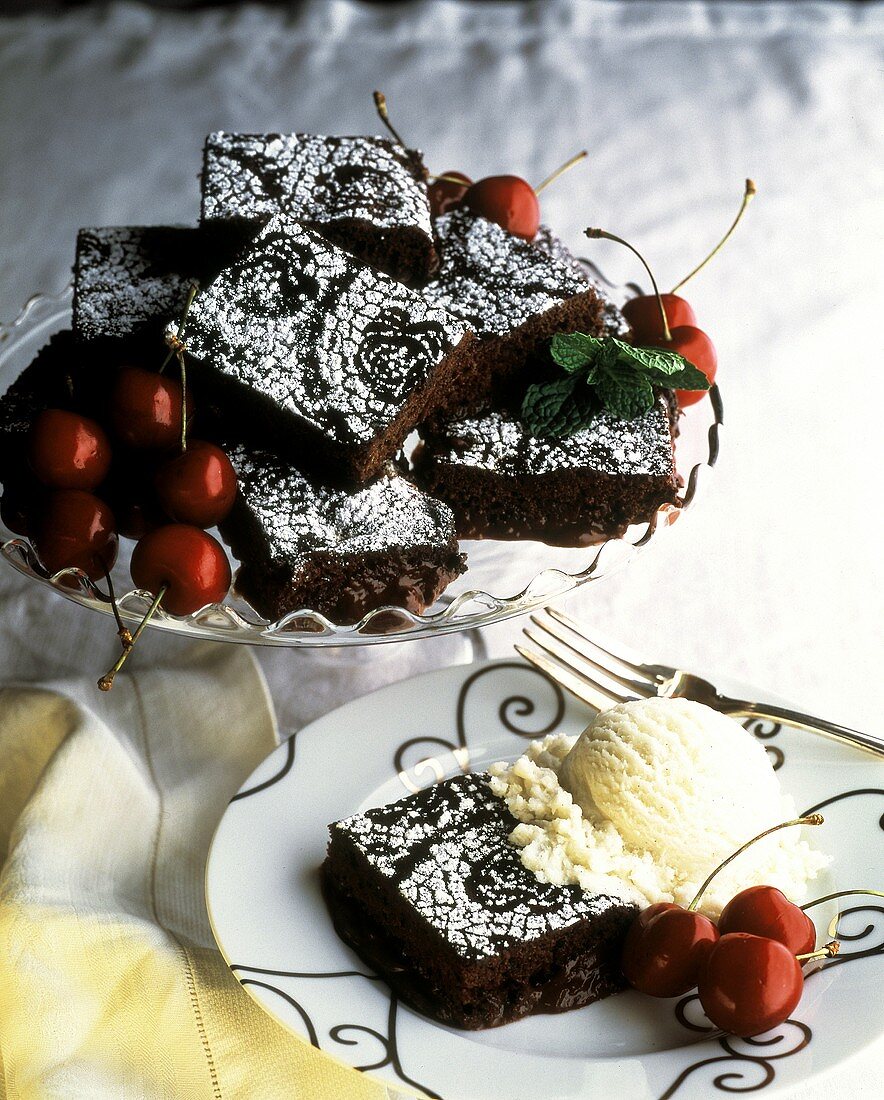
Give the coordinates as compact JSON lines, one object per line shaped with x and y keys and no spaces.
{"x":503,"y":579}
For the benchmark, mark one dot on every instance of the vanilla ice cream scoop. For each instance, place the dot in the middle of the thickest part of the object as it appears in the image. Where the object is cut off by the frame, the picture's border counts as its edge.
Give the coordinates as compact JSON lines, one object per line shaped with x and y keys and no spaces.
{"x":676,"y":779}
{"x":649,"y":799}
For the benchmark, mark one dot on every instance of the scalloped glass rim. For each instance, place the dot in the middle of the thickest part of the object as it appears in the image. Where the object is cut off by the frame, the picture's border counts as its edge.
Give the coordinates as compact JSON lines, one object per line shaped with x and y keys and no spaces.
{"x":460,"y":608}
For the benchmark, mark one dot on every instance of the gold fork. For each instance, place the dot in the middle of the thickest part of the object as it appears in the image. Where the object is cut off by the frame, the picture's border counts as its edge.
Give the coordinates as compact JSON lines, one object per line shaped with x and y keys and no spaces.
{"x":574,"y":661}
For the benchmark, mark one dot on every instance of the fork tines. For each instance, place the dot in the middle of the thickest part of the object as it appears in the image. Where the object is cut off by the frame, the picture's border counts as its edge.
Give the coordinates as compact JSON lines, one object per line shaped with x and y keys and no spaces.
{"x":593,"y":673}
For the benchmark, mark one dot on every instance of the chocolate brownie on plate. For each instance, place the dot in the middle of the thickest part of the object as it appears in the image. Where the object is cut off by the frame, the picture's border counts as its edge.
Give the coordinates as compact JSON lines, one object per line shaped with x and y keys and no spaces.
{"x":504,"y":483}
{"x":343,"y":554}
{"x":129,"y":281}
{"x":334,"y":363}
{"x":514,"y":295}
{"x":431,"y":894}
{"x":365,"y":194}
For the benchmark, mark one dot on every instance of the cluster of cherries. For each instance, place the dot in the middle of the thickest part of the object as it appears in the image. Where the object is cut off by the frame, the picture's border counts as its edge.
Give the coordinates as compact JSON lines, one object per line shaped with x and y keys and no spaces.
{"x":140,"y":477}
{"x":658,"y":320}
{"x":747,"y":968}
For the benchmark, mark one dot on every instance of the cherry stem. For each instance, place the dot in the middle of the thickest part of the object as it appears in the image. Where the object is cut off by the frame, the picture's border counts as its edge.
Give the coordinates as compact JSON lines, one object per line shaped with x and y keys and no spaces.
{"x":107,"y":681}
{"x":176,"y":345}
{"x":827,"y":951}
{"x":183,"y":401}
{"x":811,"y":819}
{"x":380,"y":102}
{"x":448,"y":179}
{"x":124,"y":632}
{"x":596,"y":234}
{"x":842,"y":894}
{"x":561,"y":170}
{"x":748,"y":195}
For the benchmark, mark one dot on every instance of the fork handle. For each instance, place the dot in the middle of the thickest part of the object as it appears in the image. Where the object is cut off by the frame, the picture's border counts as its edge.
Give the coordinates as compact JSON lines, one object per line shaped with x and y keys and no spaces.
{"x":743,"y":709}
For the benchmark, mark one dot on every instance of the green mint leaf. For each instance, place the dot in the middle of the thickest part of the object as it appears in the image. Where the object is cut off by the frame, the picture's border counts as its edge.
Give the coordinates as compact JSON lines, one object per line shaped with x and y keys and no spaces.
{"x":624,"y":393}
{"x":658,"y":360}
{"x":574,"y":350}
{"x":687,"y":378}
{"x":555,"y":409}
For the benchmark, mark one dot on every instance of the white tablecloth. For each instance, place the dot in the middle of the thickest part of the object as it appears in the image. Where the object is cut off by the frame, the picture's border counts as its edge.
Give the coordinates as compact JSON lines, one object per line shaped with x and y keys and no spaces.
{"x":775,"y":578}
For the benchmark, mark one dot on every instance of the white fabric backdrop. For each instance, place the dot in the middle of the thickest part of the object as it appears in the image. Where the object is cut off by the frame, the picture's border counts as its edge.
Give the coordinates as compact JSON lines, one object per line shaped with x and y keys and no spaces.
{"x":776,"y":578}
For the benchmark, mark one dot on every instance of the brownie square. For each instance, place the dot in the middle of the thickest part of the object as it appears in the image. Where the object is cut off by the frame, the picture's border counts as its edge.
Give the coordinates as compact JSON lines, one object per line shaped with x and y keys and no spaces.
{"x":430,"y":893}
{"x":366,"y":194}
{"x":343,"y":554}
{"x":515,"y":296}
{"x":334,"y":362}
{"x":129,"y":281}
{"x":502,"y":482}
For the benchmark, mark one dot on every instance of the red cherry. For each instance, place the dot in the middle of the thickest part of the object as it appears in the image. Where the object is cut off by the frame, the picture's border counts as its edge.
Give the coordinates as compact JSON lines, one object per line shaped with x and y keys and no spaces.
{"x":22,"y":504}
{"x":190,"y":564}
{"x":146,"y":409}
{"x":76,"y":529}
{"x":68,"y":451}
{"x":665,"y":949}
{"x":509,"y":201}
{"x":643,"y":314}
{"x":198,"y":486}
{"x":695,"y":346}
{"x":749,"y":984}
{"x":766,"y":911}
{"x":445,"y":193}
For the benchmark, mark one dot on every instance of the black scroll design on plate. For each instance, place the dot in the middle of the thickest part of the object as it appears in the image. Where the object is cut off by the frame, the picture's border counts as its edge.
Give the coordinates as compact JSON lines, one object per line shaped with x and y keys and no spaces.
{"x":750,"y":1059}
{"x":281,"y":774}
{"x":764,"y":729}
{"x":345,"y":1034}
{"x":510,"y":709}
{"x":733,"y":1082}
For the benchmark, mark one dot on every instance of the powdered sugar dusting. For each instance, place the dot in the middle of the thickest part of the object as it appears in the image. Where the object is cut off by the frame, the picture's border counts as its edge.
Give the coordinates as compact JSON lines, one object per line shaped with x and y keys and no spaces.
{"x":493,"y":280}
{"x":314,"y":178}
{"x":129,"y":277}
{"x":609,"y":445}
{"x":324,"y":337}
{"x":299,"y":518}
{"x":446,"y":849}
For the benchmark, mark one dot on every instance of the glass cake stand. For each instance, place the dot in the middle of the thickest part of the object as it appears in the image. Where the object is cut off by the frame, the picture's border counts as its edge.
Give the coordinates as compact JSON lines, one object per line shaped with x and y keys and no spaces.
{"x":504,"y":579}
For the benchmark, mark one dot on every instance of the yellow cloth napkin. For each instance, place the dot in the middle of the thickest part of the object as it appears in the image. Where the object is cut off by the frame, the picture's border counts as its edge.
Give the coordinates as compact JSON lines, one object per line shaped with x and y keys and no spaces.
{"x":110,"y":984}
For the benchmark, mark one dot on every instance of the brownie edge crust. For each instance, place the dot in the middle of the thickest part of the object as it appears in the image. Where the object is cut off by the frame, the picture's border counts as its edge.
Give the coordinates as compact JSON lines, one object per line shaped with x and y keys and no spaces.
{"x":431,"y":895}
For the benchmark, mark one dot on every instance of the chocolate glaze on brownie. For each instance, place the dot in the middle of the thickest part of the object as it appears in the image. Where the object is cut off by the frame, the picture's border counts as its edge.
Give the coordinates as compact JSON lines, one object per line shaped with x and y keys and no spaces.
{"x":305,"y":545}
{"x":435,"y":899}
{"x":514,"y":295}
{"x":502,"y":482}
{"x":615,"y":324}
{"x":335,"y":363}
{"x":365,"y":194}
{"x":129,"y":281}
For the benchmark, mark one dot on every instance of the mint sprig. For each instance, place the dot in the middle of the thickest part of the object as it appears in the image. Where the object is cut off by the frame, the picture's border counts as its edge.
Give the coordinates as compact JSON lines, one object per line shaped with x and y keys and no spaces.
{"x":602,"y":373}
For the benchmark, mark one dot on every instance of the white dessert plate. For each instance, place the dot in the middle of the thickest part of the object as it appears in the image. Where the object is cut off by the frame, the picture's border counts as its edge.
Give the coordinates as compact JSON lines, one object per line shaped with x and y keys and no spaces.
{"x":503,"y":578}
{"x":272,"y":927}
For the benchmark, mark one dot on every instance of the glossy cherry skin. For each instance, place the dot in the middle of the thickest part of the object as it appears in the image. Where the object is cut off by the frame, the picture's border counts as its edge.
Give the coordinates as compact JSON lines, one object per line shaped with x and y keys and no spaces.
{"x":189,"y":563}
{"x":694,"y":345}
{"x":643,"y":314}
{"x":444,"y":194}
{"x":509,"y":201}
{"x":198,"y":486}
{"x":766,"y":911}
{"x":749,"y":984}
{"x":68,"y":451}
{"x":146,"y":409}
{"x":76,"y":529}
{"x":665,"y":947}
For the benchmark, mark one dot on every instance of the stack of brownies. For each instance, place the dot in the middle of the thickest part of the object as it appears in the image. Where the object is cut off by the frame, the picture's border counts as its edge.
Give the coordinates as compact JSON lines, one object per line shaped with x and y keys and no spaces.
{"x":336,"y":317}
